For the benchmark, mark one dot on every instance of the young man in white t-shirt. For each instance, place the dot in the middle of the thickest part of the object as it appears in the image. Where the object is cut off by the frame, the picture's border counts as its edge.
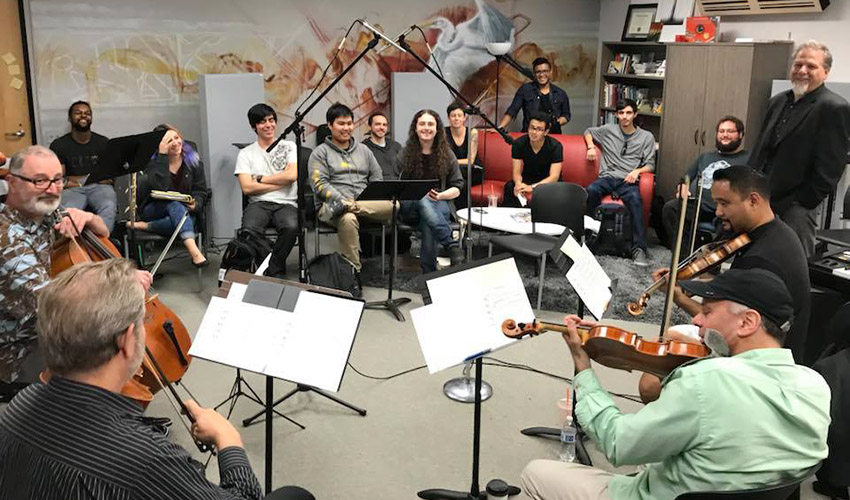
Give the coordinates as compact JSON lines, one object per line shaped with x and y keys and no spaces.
{"x":269,"y":180}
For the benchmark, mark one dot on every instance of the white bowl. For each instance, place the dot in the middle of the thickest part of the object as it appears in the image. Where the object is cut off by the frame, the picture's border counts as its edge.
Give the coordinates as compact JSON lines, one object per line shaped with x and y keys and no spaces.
{"x":498,"y":48}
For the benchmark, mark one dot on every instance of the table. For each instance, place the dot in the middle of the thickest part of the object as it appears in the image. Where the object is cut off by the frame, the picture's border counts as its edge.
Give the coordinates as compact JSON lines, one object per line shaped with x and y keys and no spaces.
{"x":506,"y":219}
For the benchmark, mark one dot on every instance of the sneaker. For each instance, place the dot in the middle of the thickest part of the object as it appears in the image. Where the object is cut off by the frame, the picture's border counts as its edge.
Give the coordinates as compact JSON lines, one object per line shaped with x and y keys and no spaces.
{"x":456,"y":254}
{"x":415,"y":247}
{"x":639,"y":257}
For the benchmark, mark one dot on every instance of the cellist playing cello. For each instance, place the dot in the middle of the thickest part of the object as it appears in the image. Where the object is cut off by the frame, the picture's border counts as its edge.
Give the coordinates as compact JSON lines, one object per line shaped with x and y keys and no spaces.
{"x":742,"y":198}
{"x":29,"y":223}
{"x":746,"y":421}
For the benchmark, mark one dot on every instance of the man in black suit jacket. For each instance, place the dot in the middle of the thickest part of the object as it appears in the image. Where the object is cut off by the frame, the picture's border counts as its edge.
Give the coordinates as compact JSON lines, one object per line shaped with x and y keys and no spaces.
{"x":804,"y":142}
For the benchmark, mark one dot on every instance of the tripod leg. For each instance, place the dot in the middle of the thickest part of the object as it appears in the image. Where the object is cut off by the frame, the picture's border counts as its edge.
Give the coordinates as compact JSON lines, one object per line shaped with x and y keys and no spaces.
{"x":335,"y":399}
{"x":250,"y":420}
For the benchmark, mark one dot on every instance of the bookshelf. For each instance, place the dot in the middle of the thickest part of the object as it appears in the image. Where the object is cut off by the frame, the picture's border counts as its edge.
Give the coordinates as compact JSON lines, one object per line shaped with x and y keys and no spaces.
{"x":619,"y":80}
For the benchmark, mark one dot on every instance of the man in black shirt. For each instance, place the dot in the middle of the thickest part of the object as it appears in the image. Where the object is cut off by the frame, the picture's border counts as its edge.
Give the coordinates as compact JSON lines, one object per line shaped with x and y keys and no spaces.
{"x":78,"y":152}
{"x":539,"y":96}
{"x":77,"y":437}
{"x":536,"y":160}
{"x":385,"y":149}
{"x":742,"y":198}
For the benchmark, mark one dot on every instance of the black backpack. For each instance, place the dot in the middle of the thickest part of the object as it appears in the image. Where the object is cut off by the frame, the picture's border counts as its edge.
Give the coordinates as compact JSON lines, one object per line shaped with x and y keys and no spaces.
{"x":615,"y":231}
{"x":333,"y":271}
{"x":245,"y":252}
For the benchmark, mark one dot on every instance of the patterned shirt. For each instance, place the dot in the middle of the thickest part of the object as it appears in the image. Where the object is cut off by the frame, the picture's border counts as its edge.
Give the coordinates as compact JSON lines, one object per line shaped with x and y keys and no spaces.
{"x":71,"y":441}
{"x":25,"y":247}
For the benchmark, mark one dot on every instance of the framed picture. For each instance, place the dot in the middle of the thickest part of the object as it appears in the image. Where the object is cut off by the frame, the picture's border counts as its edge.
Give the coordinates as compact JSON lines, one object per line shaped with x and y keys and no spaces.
{"x":638,"y":22}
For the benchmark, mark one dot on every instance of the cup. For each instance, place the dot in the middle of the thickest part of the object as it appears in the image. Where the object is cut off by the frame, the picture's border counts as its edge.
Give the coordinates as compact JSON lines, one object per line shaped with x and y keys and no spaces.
{"x":492,"y":200}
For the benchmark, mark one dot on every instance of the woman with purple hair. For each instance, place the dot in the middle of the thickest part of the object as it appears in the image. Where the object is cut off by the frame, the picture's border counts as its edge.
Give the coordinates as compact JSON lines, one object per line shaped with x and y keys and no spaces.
{"x":175,"y":167}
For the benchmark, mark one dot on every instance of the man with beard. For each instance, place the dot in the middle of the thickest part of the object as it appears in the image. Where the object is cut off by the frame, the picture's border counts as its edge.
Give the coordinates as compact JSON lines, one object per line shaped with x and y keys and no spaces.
{"x":540,"y":96}
{"x":78,"y":152}
{"x":804,"y":142}
{"x":29,"y":221}
{"x":385,"y":149}
{"x":728,"y":151}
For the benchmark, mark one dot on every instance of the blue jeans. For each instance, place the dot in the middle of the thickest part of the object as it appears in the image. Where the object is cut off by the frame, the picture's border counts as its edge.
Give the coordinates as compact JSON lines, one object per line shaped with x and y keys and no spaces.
{"x":100,"y":198}
{"x":432,"y":219}
{"x":163,"y":216}
{"x":629,"y":193}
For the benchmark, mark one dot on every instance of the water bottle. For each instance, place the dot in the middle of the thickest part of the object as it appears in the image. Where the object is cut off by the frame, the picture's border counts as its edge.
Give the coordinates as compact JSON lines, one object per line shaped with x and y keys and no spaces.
{"x":567,"y":453}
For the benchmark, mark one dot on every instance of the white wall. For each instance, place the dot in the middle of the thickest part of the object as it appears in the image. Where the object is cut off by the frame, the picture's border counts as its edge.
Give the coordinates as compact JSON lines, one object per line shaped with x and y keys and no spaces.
{"x":829,"y":27}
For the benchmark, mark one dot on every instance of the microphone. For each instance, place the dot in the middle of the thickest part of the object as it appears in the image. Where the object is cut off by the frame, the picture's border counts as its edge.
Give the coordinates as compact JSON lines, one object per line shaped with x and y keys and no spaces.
{"x":341,"y":42}
{"x":400,"y":35}
{"x":379,"y":34}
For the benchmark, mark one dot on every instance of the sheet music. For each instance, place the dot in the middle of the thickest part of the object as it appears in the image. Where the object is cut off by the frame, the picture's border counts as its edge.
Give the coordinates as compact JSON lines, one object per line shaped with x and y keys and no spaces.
{"x":260,"y":270}
{"x":467,"y":312}
{"x":522,"y":201}
{"x":307,"y":346}
{"x":587,"y":277}
{"x":237,"y":291}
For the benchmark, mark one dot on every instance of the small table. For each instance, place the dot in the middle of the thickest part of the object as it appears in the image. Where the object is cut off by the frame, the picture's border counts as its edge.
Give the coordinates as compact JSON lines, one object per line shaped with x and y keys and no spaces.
{"x":515,"y":220}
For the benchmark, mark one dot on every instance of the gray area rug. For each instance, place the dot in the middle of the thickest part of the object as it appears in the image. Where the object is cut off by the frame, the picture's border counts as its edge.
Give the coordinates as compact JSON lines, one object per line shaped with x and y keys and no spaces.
{"x":558,"y":294}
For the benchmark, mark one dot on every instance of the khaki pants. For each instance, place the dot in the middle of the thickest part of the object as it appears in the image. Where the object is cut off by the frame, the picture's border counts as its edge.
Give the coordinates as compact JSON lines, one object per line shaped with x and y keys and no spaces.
{"x":554,"y":480}
{"x":348,"y":226}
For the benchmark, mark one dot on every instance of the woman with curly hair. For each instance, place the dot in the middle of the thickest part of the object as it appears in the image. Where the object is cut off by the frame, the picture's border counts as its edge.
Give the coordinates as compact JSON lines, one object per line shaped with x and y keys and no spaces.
{"x":175,"y":167}
{"x":427,"y":155}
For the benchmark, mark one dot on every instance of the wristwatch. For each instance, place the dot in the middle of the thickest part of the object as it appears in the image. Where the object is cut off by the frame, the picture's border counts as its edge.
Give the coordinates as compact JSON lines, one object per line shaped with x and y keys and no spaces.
{"x":259,"y":179}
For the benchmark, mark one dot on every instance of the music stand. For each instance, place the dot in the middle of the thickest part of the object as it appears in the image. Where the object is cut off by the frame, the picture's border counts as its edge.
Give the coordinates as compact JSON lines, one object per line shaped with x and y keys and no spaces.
{"x":395,"y":190}
{"x":223,"y":291}
{"x":126,"y":155}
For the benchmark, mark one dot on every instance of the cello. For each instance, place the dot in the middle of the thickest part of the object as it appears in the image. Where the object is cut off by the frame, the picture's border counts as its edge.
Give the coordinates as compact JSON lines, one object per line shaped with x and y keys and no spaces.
{"x":167,"y":341}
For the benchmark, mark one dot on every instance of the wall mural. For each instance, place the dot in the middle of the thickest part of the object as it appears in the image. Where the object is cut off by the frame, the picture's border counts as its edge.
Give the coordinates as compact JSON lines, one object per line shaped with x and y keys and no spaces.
{"x":151,"y":68}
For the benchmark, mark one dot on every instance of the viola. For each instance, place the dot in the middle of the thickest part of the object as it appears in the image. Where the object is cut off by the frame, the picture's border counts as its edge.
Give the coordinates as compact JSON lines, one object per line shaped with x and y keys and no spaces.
{"x":706,"y":258}
{"x":617,"y":348}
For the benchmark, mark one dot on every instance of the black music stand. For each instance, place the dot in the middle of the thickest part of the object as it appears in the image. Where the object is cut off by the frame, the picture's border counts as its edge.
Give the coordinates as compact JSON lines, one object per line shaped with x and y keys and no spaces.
{"x":126,"y":155}
{"x":396,"y":191}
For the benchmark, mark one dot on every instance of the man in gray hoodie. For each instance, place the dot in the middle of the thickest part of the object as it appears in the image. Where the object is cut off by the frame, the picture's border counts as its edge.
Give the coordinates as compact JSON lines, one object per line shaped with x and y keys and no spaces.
{"x":341,"y":169}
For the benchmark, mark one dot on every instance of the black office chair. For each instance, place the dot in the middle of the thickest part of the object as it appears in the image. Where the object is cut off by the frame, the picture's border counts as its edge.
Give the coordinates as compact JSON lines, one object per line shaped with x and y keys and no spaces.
{"x":783,"y":491}
{"x":558,"y":203}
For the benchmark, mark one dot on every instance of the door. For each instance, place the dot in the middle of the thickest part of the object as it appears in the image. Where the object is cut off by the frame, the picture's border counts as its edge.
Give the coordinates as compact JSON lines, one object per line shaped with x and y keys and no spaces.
{"x":727,"y":88}
{"x":15,"y":126}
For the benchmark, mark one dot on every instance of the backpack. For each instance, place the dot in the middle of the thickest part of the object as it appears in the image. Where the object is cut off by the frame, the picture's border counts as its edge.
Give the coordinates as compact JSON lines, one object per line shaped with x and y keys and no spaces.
{"x":244,"y":253}
{"x":333,"y":271}
{"x":615,"y":231}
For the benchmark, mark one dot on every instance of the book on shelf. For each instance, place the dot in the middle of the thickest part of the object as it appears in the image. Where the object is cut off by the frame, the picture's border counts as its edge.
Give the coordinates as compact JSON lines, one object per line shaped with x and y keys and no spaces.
{"x":612,"y":93}
{"x":635,"y":64}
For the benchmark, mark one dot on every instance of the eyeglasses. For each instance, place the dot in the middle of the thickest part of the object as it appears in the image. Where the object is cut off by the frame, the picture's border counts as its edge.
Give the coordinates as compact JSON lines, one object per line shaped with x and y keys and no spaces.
{"x":42,"y":183}
{"x":542,"y":71}
{"x":537,"y":129}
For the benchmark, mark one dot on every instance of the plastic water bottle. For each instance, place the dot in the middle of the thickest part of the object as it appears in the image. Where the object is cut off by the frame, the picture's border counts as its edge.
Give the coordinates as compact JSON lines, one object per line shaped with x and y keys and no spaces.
{"x":567,"y":453}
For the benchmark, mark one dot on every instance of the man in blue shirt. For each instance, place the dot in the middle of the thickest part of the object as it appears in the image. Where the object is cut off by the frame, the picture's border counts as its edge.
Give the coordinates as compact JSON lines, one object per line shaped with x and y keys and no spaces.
{"x":539,"y":96}
{"x":741,"y":421}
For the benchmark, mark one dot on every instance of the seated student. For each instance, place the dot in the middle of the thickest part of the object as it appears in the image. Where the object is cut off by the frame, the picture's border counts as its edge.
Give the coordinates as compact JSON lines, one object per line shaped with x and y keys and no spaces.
{"x":175,"y":167}
{"x":465,"y":148}
{"x":428,"y":156}
{"x":269,"y":180}
{"x":385,"y":149}
{"x":77,"y":437}
{"x":536,"y":160}
{"x":341,"y":169}
{"x":728,"y":151}
{"x":746,"y":421}
{"x":627,"y":152}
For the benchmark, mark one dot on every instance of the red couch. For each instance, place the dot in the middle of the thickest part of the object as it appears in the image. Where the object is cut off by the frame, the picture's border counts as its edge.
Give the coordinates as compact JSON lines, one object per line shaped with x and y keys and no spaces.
{"x":495,"y":154}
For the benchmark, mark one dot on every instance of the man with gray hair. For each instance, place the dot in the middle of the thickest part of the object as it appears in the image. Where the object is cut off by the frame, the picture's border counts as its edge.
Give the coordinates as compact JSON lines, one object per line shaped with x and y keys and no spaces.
{"x":29,"y":222}
{"x":804,"y":142}
{"x":76,"y":436}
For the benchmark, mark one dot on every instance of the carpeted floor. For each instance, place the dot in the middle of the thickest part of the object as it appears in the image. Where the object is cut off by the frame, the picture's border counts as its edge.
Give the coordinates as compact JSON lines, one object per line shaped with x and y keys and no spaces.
{"x":558,"y":295}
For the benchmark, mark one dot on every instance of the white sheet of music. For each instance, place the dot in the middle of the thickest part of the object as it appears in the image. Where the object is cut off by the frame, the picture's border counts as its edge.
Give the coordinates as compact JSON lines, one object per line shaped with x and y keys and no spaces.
{"x":587,"y":277}
{"x":307,"y":346}
{"x":467,"y":311}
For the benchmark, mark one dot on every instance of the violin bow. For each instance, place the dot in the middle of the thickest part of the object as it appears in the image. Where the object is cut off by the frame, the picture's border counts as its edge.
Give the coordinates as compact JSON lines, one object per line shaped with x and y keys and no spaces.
{"x":696,"y":216}
{"x":671,"y":276}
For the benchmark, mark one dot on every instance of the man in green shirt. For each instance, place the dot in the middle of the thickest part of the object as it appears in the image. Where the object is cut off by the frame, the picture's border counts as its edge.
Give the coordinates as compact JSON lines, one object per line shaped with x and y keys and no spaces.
{"x":745,"y":421}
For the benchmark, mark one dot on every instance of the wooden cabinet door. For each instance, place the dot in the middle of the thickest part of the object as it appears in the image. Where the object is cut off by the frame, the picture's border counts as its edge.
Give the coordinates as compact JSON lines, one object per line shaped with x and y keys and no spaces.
{"x":727,"y":88}
{"x":684,"y":91}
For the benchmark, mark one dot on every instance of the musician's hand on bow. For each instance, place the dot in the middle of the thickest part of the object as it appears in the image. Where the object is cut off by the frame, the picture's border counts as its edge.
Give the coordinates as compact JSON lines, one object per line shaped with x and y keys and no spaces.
{"x":191,"y":205}
{"x":145,"y":279}
{"x":660,"y":273}
{"x":74,"y":222}
{"x":211,"y":427}
{"x":574,"y":341}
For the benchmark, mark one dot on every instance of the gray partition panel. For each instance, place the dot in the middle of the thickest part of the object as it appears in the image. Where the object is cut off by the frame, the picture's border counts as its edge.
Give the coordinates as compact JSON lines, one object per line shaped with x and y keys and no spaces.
{"x":224,"y":101}
{"x":412,"y":92}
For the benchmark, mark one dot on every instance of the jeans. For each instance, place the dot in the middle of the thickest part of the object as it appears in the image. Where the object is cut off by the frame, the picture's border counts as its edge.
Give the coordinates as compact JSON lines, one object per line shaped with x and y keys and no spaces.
{"x":629,"y":193}
{"x":163,"y":216}
{"x":432,"y":219}
{"x":100,"y":198}
{"x":260,"y":214}
{"x":670,"y":218}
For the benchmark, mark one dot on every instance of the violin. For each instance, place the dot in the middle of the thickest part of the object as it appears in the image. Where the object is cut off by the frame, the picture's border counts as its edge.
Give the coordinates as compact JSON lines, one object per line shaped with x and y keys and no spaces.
{"x":706,"y":258}
{"x":617,"y":348}
{"x":167,"y":340}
